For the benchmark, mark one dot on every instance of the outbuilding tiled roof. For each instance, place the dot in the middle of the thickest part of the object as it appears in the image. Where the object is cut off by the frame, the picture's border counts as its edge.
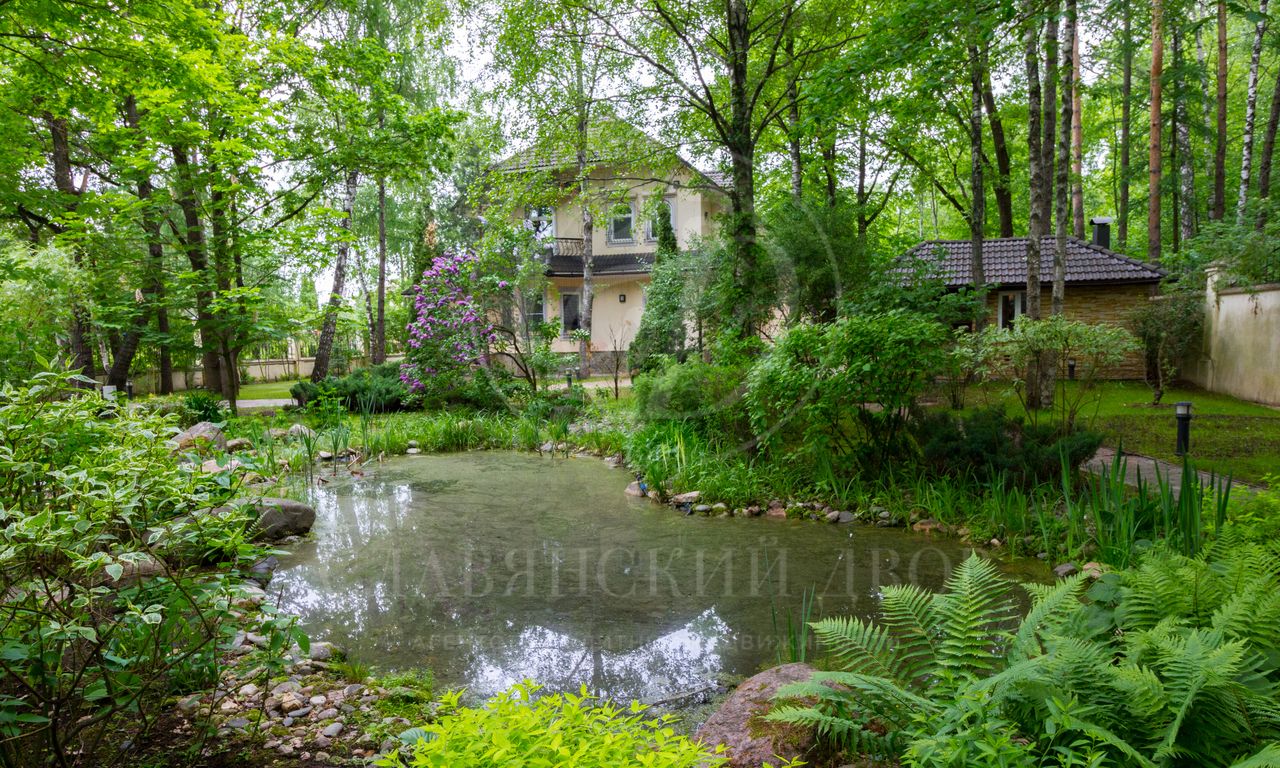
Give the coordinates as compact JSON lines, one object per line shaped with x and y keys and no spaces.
{"x":1004,"y":262}
{"x":603,"y":264}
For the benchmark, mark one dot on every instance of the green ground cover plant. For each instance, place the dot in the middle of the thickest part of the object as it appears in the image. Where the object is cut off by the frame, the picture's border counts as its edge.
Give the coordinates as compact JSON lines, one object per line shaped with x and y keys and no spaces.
{"x":1171,"y":663}
{"x":522,"y":728}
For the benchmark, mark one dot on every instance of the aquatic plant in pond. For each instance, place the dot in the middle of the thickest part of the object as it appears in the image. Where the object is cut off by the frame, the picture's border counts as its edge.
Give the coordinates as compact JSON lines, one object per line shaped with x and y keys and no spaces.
{"x":449,"y":330}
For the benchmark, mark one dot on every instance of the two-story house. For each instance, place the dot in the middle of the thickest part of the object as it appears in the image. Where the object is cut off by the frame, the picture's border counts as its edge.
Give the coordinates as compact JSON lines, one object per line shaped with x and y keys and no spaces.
{"x":627,"y":196}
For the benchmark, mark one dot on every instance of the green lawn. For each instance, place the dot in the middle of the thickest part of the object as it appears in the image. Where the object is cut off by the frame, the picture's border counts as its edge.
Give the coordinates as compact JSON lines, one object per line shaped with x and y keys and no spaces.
{"x":1227,"y":435}
{"x":267,"y":390}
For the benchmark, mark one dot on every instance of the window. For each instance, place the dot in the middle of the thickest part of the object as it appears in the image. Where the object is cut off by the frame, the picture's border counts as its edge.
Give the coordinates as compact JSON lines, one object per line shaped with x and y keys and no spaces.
{"x":534,"y":313}
{"x":1009,"y":306}
{"x":541,"y":221}
{"x":621,"y":223}
{"x":570,"y":318}
{"x":665,"y":208}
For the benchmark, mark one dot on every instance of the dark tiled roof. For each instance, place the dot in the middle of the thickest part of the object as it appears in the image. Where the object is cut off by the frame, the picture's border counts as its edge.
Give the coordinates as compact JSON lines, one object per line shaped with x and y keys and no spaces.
{"x":604,"y":264}
{"x":1004,"y":262}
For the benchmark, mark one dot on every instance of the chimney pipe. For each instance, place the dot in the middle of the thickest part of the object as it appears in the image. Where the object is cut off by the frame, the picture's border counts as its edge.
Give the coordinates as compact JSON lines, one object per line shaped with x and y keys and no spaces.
{"x":1101,"y":231}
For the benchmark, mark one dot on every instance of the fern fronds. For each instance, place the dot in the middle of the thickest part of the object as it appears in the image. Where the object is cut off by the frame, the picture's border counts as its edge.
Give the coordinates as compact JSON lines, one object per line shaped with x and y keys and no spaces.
{"x":1050,"y":605}
{"x":971,"y":614}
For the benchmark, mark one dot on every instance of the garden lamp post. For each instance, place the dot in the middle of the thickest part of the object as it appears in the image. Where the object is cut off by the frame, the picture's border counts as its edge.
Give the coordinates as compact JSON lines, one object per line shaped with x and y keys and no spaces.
{"x":1182,"y":411}
{"x":128,"y":389}
{"x":1071,"y":369}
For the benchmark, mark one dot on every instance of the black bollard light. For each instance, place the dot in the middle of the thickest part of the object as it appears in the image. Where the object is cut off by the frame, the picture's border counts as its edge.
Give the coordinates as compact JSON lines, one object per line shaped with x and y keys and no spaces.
{"x":568,"y":379}
{"x":1182,"y":412}
{"x":1071,"y":369}
{"x":128,"y":389}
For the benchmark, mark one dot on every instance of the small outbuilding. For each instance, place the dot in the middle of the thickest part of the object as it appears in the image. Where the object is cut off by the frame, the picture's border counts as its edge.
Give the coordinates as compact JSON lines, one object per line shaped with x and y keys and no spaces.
{"x":1101,"y":286}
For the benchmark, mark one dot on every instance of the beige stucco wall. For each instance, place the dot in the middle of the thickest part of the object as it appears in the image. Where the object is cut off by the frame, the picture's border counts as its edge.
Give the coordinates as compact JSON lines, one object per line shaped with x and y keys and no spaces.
{"x":697,"y":209}
{"x":1240,"y":353}
{"x":613,"y":322}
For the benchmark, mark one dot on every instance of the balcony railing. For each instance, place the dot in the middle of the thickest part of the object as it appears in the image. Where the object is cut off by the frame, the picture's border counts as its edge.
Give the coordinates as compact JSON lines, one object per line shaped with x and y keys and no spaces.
{"x":562,"y":246}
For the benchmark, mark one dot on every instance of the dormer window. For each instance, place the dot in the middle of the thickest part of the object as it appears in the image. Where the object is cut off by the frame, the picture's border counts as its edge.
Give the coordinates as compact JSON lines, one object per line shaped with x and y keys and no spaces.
{"x":622,"y":224}
{"x":541,"y":221}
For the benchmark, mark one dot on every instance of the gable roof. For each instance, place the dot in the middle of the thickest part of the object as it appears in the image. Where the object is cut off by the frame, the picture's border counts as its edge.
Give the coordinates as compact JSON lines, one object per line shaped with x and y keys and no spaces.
{"x":624,"y":145}
{"x":1004,"y":262}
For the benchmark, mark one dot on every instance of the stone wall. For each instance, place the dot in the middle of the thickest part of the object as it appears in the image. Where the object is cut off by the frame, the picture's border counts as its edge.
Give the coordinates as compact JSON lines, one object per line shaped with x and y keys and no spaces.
{"x":1112,"y":304}
{"x":1240,"y":351}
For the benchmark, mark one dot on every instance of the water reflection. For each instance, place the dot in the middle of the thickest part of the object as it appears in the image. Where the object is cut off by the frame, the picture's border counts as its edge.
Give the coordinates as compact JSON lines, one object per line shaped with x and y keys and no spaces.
{"x":492,"y":567}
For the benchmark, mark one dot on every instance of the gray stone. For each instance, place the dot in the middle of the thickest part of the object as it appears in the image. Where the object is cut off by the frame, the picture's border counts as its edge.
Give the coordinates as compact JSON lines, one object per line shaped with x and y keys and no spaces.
{"x":189,"y":705}
{"x":316,"y":701}
{"x":720,"y":506}
{"x":278,"y":518}
{"x":205,"y":434}
{"x":288,"y":721}
{"x":412,"y":443}
{"x":239,"y":444}
{"x":238,"y":723}
{"x":702,"y":509}
{"x":832,"y":517}
{"x":136,"y":571}
{"x":413,"y":451}
{"x":1063,"y":570}
{"x":635,"y":489}
{"x":738,"y":724}
{"x":332,"y":730}
{"x":355,"y":689}
{"x":846,"y":517}
{"x":298,"y":713}
{"x":686,"y":498}
{"x":301,"y":430}
{"x":323,"y":651}
{"x":327,"y":714}
{"x":248,"y":689}
{"x":288,"y":686}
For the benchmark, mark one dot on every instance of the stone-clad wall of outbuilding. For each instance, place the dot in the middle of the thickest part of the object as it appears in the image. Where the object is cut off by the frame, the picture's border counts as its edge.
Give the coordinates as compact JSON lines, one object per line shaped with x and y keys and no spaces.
{"x":1114,"y":304}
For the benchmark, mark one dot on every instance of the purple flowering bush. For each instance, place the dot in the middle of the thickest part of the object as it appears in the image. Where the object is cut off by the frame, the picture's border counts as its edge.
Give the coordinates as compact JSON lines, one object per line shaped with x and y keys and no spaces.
{"x":450,"y":329}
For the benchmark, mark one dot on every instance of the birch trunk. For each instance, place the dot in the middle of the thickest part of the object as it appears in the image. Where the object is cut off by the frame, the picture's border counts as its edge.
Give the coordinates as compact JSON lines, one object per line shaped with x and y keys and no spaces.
{"x":1250,"y":116}
{"x":1182,"y":143}
{"x":329,"y":328}
{"x":978,"y":208}
{"x":1268,"y":155}
{"x":1217,"y":206}
{"x":1062,"y":175}
{"x":1153,"y":170}
{"x":1126,"y":123}
{"x":1077,"y":143}
{"x":1035,"y":222}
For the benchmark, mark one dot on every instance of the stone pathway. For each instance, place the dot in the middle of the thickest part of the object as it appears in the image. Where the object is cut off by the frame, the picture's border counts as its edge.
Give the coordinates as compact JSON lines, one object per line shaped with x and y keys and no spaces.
{"x":623,"y":383}
{"x":278,"y":402}
{"x":1145,"y":468}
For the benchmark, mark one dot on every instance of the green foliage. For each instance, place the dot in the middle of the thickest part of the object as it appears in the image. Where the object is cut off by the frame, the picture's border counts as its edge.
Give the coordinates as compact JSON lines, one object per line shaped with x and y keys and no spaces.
{"x":1169,"y":664}
{"x":845,"y":388}
{"x":662,"y":326}
{"x":110,"y":601}
{"x":821,"y":259}
{"x":1246,"y":255}
{"x":34,"y":294}
{"x":1093,"y":349}
{"x":521,"y":728}
{"x":987,"y":443}
{"x":705,"y":395}
{"x":377,"y":389}
{"x":203,"y":406}
{"x":1170,"y":327}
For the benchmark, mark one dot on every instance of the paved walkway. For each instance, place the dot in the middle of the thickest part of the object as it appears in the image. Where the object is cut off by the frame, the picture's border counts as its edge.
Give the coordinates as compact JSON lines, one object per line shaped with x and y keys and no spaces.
{"x":623,"y":382}
{"x":1146,"y":468}
{"x":278,"y":402}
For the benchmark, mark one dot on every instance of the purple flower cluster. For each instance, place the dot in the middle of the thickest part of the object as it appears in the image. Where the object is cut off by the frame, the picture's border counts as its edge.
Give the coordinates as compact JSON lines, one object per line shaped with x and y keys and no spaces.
{"x":449,"y":330}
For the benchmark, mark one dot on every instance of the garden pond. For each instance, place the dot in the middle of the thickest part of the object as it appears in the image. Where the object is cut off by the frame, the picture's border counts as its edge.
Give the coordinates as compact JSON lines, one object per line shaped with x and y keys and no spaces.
{"x":492,"y":567}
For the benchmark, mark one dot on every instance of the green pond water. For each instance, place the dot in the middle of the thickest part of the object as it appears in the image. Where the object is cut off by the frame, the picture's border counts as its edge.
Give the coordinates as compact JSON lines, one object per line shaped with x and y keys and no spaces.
{"x":491,"y":567}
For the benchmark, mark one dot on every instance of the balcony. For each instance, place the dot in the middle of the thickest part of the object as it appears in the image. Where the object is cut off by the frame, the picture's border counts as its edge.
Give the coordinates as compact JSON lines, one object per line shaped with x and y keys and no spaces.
{"x":562,"y":246}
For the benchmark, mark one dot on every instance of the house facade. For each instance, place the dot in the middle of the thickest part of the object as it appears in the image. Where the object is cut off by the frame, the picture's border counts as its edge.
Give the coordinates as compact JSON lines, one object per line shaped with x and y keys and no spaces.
{"x":1101,"y":286}
{"x":627,"y":199}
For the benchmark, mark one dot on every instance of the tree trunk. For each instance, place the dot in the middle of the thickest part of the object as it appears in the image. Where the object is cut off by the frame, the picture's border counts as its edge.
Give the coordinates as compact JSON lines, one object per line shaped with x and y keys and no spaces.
{"x":79,"y":335}
{"x":860,"y":193}
{"x":1250,"y":116}
{"x":1049,"y":106}
{"x":193,"y":244}
{"x":1126,"y":122}
{"x":1004,"y":166}
{"x":829,"y":170}
{"x":978,"y":208}
{"x":1062,"y":178}
{"x":750,"y":299}
{"x":1268,"y":154}
{"x":1182,"y":144}
{"x":329,"y":328}
{"x":1217,"y":206}
{"x":793,"y":128}
{"x":378,"y":354}
{"x":1077,"y":143}
{"x":1153,"y":170}
{"x":1035,"y":223}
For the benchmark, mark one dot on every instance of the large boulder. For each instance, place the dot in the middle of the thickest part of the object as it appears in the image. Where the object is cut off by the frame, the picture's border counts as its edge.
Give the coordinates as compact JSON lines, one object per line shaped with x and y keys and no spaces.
{"x":204,"y":435}
{"x":300,"y":431}
{"x":751,"y":741}
{"x":278,"y":518}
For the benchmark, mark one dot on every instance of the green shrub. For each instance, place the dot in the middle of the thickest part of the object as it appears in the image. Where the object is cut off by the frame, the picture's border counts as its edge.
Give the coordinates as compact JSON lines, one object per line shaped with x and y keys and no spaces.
{"x":111,"y":602}
{"x":203,"y":406}
{"x":845,"y":388}
{"x":519,"y":728}
{"x":705,"y":395}
{"x":988,"y":444}
{"x":377,"y":389}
